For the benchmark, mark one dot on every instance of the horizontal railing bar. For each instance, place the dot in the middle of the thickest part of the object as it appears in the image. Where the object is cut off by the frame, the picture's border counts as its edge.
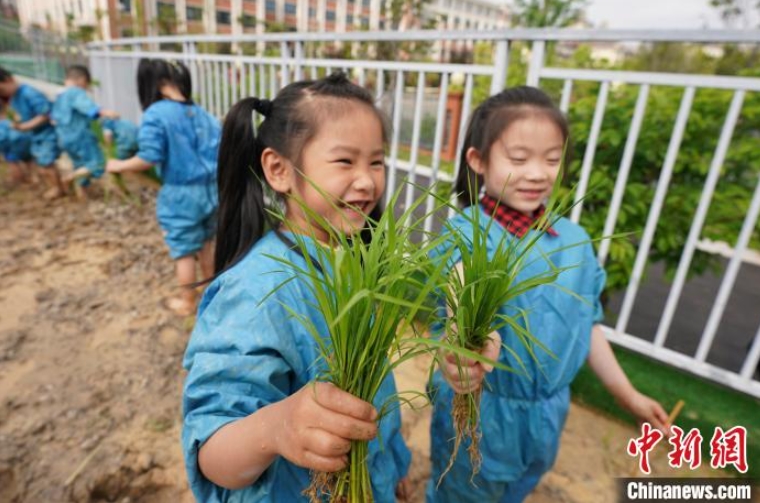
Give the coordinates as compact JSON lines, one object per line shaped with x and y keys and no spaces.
{"x":279,"y":60}
{"x":549,"y":34}
{"x":684,"y":362}
{"x":662,"y":79}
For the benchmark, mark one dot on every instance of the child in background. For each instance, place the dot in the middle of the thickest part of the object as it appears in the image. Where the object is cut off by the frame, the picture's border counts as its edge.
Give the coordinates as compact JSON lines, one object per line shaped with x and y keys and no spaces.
{"x":72,"y":114}
{"x":15,"y":147}
{"x":122,"y":134}
{"x":255,"y":420}
{"x":513,"y":150}
{"x":182,"y":140}
{"x":33,"y":110}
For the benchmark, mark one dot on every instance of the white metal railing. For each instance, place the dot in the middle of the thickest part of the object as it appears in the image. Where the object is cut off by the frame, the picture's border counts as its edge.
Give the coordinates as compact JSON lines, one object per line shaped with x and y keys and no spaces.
{"x":400,"y":87}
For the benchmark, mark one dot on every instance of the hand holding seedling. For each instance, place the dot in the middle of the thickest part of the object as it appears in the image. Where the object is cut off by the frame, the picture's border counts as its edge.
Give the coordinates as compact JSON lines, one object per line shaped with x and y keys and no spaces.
{"x":465,"y":375}
{"x":319,"y":423}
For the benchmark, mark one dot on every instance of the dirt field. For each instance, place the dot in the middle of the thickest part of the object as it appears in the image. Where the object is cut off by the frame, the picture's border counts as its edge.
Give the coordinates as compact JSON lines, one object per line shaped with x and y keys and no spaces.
{"x":90,"y":367}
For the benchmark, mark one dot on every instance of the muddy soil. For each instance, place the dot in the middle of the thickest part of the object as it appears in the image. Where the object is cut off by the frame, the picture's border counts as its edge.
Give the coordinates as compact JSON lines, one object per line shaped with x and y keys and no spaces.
{"x":91,"y":376}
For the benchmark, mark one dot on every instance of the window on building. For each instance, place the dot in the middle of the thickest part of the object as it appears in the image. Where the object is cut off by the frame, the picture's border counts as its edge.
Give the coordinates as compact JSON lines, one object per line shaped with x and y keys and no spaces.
{"x":365,"y":3}
{"x":223,"y":17}
{"x":270,"y":5}
{"x":312,"y":12}
{"x":194,"y":13}
{"x":330,"y":15}
{"x":365,"y":24}
{"x":350,"y":19}
{"x":290,"y":8}
{"x":248,"y":21}
{"x":125,"y":5}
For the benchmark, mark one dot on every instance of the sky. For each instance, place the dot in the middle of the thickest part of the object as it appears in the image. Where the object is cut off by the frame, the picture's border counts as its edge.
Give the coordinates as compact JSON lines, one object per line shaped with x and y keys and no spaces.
{"x":655,"y":14}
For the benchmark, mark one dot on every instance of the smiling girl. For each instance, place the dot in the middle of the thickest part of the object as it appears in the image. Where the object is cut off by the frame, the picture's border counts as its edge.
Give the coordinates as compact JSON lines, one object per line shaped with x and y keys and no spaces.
{"x":255,"y":420}
{"x":513,"y":150}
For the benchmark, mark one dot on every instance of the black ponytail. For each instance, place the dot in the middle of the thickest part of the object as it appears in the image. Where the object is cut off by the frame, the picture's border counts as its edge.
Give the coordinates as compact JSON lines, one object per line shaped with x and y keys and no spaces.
{"x":488,"y":123}
{"x":242,"y":214}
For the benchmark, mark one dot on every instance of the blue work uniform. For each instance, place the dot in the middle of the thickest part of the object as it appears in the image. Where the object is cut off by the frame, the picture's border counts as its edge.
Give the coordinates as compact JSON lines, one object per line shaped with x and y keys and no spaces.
{"x":28,"y":102}
{"x":73,"y":112}
{"x":14,"y":145}
{"x":124,"y":135}
{"x":182,"y":140}
{"x":246,"y":352}
{"x":522,"y":417}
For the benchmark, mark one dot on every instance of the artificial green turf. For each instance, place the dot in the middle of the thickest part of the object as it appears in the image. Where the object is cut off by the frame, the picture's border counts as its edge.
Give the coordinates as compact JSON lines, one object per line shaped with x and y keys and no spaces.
{"x":707,"y":405}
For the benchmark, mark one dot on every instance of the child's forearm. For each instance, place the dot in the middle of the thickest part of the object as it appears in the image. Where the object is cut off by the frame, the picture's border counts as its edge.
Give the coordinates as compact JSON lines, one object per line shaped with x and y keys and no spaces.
{"x":128,"y":165}
{"x":603,"y":362}
{"x":108,"y":113}
{"x":238,"y":453}
{"x":31,"y":123}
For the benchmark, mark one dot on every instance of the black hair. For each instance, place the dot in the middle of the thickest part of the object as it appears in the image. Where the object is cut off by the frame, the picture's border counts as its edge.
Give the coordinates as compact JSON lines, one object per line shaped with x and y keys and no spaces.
{"x":5,"y":75}
{"x":75,"y":71}
{"x":489,"y":121}
{"x":154,"y":73}
{"x":290,"y":121}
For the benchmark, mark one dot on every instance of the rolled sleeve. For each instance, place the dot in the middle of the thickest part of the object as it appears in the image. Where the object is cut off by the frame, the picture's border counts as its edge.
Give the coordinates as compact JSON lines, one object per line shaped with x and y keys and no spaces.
{"x":38,"y":103}
{"x":108,"y":125}
{"x":152,"y":139}
{"x":241,"y":357}
{"x":85,"y":106}
{"x":600,"y":280}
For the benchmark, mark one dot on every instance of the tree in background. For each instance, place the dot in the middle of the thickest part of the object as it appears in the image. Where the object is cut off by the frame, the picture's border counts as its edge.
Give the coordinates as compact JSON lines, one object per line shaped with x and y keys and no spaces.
{"x":547,"y":13}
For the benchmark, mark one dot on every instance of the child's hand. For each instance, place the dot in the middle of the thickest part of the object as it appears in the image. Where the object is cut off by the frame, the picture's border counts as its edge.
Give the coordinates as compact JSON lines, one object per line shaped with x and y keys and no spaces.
{"x":647,"y":410}
{"x":319,"y":422}
{"x":113,"y":166}
{"x":404,"y":490}
{"x":469,"y":377}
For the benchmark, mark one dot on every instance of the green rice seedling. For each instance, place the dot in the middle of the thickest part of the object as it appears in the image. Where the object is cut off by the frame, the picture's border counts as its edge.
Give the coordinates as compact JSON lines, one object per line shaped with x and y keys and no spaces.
{"x":369,"y":293}
{"x":478,"y":287}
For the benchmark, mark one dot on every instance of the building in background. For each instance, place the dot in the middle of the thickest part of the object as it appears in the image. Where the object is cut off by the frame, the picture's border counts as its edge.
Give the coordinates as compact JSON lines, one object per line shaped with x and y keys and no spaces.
{"x":108,"y":19}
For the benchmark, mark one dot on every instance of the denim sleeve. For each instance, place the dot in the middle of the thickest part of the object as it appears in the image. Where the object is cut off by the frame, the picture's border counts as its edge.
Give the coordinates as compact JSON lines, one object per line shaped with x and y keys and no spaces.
{"x":600,"y":280}
{"x":241,"y":357}
{"x":37,"y":101}
{"x":108,"y":125}
{"x":151,"y":139}
{"x":84,"y":105}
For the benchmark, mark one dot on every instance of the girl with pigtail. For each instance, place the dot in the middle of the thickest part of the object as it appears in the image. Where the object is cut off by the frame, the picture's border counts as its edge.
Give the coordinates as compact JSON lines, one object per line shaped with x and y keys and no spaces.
{"x":256,"y":422}
{"x":181,"y":140}
{"x":511,"y":156}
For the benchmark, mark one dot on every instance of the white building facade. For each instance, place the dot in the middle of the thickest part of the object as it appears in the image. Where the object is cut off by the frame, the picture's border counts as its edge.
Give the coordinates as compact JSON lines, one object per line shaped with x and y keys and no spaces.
{"x":118,"y":18}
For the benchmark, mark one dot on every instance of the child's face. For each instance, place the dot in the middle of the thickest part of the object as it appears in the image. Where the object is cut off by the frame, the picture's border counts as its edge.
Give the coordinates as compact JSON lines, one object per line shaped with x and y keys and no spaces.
{"x":346,"y":160}
{"x":7,"y":88}
{"x":76,"y":81}
{"x":523,"y":163}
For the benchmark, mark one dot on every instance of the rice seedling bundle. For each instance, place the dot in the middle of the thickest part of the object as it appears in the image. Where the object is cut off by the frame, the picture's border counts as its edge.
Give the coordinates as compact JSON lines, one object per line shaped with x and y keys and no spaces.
{"x":478,"y":288}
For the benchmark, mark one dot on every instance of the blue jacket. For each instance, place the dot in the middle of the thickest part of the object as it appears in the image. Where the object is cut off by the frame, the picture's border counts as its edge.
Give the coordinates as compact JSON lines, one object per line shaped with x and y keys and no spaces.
{"x":14,"y":145}
{"x":521,"y":416}
{"x":246,"y":352}
{"x":28,"y":102}
{"x":73,"y":112}
{"x":124,"y":136}
{"x":182,"y":140}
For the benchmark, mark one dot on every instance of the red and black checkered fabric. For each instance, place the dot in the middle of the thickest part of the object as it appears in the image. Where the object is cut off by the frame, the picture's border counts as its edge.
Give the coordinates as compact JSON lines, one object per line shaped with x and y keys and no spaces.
{"x":515,"y":222}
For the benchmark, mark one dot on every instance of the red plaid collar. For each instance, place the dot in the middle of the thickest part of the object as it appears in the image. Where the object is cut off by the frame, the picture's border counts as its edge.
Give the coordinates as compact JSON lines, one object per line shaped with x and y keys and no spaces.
{"x":515,"y":222}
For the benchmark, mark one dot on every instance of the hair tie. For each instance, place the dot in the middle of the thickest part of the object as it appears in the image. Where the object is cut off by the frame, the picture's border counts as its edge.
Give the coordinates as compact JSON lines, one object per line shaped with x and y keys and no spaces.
{"x":264,"y":107}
